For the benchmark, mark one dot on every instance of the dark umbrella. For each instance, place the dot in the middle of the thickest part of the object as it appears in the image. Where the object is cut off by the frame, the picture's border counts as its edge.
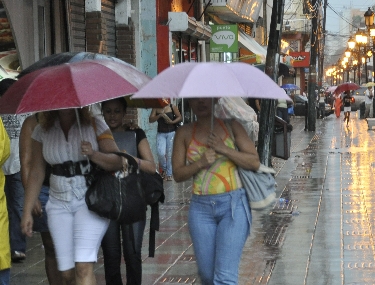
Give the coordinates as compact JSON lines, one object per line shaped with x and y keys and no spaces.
{"x":346,"y":87}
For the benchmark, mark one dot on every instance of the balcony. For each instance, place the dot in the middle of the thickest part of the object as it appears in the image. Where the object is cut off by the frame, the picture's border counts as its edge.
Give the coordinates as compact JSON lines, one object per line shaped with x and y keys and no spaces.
{"x":235,"y":11}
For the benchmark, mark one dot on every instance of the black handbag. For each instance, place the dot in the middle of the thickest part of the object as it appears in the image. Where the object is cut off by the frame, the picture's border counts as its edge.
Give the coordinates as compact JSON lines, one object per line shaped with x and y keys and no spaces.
{"x":116,"y":196}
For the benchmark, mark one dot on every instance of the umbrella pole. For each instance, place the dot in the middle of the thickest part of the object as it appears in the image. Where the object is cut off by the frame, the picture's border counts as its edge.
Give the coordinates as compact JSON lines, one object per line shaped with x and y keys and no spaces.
{"x":80,"y":133}
{"x":79,"y":124}
{"x":212,"y":114}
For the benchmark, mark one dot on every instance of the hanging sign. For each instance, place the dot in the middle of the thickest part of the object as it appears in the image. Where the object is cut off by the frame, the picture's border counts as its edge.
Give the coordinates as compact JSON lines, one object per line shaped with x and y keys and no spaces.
{"x":224,"y":38}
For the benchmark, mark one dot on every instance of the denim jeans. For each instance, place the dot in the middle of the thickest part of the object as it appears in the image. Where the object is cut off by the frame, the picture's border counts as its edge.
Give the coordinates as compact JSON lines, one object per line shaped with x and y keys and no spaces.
{"x":111,"y":246}
{"x":15,"y":196}
{"x":5,"y":277}
{"x":219,"y":226}
{"x":165,"y":147}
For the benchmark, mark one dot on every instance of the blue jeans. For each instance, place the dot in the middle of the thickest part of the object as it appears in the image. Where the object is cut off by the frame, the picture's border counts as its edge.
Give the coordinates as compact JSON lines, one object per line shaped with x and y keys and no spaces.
{"x":219,"y":226}
{"x":41,"y":223}
{"x":15,"y":195}
{"x":5,"y":277}
{"x":165,"y":147}
{"x":111,"y":246}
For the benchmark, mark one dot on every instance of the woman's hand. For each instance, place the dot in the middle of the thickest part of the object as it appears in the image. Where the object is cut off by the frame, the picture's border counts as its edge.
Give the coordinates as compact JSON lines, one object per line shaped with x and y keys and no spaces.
{"x":27,"y":224}
{"x":37,"y":210}
{"x":86,"y":148}
{"x":208,"y":157}
{"x":216,"y":143}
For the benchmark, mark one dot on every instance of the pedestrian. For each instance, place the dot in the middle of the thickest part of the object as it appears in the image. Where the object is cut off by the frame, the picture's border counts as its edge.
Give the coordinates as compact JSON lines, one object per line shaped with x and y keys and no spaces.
{"x":219,"y":216}
{"x":135,"y":142}
{"x":337,"y":103}
{"x":76,"y":232}
{"x":282,"y":110}
{"x":165,"y":135}
{"x":14,"y":190}
{"x":368,"y":100}
{"x":347,"y":101}
{"x":5,"y":256}
{"x":39,"y":210}
{"x":255,"y":104}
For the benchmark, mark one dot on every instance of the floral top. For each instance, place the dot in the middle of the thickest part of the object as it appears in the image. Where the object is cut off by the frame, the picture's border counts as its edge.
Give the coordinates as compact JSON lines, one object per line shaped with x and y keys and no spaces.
{"x":221,"y":176}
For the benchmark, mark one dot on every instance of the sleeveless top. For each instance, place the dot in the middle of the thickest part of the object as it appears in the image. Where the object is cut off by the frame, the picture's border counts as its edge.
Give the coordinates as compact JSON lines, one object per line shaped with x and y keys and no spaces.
{"x":221,"y":177}
{"x":163,"y":127}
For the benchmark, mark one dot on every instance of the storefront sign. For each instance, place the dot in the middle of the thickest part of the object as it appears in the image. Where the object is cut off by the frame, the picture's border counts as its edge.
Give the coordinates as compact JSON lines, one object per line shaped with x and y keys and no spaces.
{"x":300,"y":59}
{"x":224,"y":38}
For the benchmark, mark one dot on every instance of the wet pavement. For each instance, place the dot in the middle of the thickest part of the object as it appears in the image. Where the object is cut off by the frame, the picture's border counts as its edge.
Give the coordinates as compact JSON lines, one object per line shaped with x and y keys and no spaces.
{"x":320,"y":233}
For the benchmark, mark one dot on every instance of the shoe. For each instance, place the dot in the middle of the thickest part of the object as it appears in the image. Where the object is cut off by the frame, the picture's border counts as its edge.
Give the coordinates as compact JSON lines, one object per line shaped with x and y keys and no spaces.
{"x":18,"y":256}
{"x":162,"y":175}
{"x":169,"y":178}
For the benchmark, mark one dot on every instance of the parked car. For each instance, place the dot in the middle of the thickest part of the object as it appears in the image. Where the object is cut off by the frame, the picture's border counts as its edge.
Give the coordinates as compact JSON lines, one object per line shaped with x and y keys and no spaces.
{"x":300,"y":106}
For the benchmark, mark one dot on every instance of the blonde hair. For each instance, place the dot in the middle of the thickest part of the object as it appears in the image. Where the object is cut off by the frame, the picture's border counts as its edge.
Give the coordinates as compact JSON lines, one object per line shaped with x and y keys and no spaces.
{"x":47,"y":119}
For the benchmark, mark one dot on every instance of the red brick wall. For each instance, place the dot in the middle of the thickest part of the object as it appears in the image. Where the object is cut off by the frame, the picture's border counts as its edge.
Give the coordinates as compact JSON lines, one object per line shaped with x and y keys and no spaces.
{"x":125,"y":43}
{"x":96,"y":32}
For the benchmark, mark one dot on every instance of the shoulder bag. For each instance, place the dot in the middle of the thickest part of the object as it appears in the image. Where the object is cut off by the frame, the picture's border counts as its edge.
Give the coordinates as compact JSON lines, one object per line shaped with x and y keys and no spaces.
{"x":117,"y":196}
{"x":260,"y":186}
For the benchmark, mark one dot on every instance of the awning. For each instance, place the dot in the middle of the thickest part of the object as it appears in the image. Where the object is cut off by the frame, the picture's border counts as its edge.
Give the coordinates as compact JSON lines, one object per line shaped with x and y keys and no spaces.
{"x":249,"y":43}
{"x":181,"y":22}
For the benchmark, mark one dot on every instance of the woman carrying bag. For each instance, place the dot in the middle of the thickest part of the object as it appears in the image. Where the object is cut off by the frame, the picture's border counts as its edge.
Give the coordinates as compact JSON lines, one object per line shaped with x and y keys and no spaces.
{"x":219,"y":213}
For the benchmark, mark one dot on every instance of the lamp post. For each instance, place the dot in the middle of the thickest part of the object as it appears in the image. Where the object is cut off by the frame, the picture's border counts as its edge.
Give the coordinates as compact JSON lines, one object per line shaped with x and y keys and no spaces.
{"x":361,"y":39}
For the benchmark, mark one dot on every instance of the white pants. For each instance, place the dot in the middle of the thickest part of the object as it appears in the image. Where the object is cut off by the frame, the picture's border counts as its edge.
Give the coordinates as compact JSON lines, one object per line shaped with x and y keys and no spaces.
{"x":76,"y":232}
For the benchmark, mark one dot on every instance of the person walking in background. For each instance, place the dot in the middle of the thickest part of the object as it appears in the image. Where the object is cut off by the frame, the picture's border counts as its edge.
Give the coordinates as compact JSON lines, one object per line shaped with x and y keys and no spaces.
{"x":347,"y":101}
{"x":5,"y":256}
{"x":14,"y":190}
{"x":282,"y":110}
{"x":165,"y":136}
{"x":76,"y":231}
{"x":219,"y":216}
{"x":134,"y":141}
{"x":368,"y":101}
{"x":337,"y":104}
{"x":255,"y":104}
{"x":39,"y":212}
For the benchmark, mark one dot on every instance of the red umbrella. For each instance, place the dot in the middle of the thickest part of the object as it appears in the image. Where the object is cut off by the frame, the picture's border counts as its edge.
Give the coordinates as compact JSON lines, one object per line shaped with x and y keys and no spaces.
{"x":71,"y":85}
{"x":346,"y":87}
{"x":70,"y":57}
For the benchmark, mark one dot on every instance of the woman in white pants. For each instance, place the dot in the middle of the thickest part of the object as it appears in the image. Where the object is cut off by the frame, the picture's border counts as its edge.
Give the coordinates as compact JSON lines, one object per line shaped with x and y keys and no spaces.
{"x":76,"y":231}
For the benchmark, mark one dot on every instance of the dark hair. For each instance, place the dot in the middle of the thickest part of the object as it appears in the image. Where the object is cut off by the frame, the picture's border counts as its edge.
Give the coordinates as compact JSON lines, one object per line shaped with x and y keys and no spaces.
{"x":120,"y":99}
{"x":5,"y":84}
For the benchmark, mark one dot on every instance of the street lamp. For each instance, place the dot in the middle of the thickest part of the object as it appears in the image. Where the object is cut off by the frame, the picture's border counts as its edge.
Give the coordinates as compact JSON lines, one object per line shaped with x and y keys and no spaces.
{"x":361,"y":39}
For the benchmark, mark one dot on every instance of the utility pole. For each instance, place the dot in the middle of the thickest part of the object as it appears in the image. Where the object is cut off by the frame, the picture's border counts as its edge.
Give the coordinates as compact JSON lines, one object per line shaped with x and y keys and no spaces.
{"x":268,"y":107}
{"x":321,"y":47}
{"x":311,"y":112}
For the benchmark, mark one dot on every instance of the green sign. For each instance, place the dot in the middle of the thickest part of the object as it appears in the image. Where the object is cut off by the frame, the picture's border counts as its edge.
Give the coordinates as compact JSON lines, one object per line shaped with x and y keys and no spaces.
{"x":224,"y":38}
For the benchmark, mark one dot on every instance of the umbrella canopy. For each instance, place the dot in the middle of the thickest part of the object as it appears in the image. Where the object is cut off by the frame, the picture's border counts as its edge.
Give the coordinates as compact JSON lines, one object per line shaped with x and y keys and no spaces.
{"x":346,"y":87}
{"x":212,"y":79}
{"x":369,"y":84}
{"x":70,"y":57}
{"x":290,"y":86}
{"x":71,"y":85}
{"x":331,"y":89}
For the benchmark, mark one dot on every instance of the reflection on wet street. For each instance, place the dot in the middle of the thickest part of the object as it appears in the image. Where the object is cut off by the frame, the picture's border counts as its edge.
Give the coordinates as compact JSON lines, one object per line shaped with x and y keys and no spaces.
{"x":321,"y":232}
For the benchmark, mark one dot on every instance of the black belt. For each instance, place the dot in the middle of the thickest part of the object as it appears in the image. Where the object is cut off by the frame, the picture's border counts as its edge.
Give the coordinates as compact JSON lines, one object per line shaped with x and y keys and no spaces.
{"x":70,"y":168}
